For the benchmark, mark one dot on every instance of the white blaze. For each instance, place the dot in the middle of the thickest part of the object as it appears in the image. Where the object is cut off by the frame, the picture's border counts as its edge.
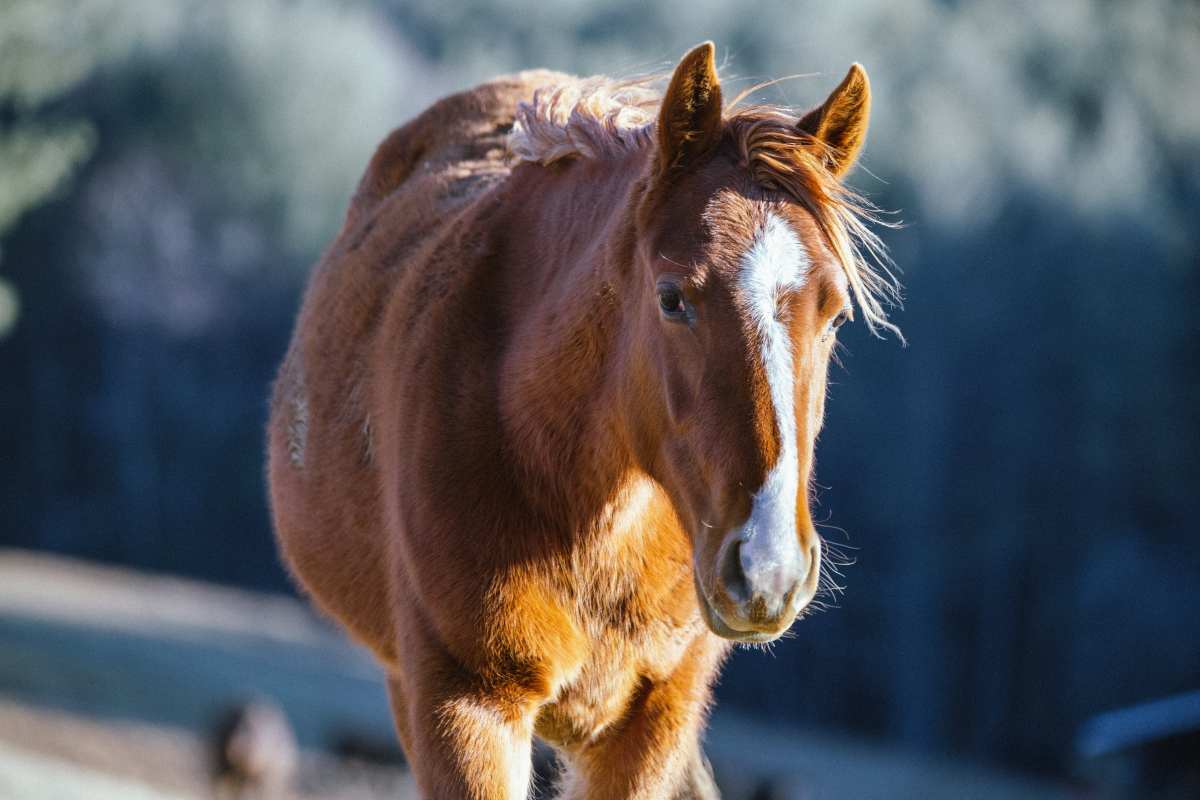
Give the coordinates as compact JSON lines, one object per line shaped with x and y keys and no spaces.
{"x":776,"y":263}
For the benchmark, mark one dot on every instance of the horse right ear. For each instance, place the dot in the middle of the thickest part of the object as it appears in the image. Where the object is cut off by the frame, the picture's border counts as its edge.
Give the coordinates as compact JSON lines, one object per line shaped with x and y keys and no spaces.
{"x":689,"y":121}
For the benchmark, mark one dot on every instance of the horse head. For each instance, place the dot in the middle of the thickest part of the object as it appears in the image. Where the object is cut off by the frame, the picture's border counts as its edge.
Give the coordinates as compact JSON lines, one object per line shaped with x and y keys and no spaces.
{"x":747,"y":268}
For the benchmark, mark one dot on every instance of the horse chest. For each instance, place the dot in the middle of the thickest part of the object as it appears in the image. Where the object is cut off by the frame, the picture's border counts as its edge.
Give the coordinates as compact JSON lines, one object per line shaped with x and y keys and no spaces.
{"x":614,"y":672}
{"x":633,"y":641}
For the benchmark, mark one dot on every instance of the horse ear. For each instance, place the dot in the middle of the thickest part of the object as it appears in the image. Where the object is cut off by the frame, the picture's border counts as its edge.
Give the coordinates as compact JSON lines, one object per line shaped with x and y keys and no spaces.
{"x":840,"y":123}
{"x":689,"y":122}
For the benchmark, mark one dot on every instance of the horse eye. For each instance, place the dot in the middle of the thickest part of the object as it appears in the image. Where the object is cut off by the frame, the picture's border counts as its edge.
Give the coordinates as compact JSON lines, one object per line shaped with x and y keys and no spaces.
{"x":670,"y":300}
{"x":841,"y":319}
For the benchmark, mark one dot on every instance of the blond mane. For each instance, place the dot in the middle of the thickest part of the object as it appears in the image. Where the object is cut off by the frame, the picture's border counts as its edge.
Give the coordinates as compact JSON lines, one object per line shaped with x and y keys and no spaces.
{"x":601,"y":117}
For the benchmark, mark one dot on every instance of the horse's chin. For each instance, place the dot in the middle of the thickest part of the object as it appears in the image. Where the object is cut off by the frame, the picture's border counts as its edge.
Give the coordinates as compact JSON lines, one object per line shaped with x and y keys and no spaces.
{"x":717,"y":624}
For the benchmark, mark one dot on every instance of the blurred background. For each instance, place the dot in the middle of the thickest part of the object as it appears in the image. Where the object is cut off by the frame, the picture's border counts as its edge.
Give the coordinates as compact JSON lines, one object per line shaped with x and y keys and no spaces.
{"x":1019,"y":487}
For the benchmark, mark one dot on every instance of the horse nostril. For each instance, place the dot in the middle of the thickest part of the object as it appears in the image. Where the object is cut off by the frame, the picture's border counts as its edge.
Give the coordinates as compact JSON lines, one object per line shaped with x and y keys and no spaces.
{"x":814,"y":568}
{"x":733,"y":578}
{"x":771,"y":570}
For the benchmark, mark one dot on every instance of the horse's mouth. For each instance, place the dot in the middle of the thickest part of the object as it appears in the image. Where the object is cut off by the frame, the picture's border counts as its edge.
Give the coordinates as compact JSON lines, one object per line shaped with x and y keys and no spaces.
{"x":717,"y":624}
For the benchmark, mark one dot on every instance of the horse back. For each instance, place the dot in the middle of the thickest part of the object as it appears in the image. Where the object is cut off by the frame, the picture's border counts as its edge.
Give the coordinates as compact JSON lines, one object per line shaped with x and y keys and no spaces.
{"x":452,"y":151}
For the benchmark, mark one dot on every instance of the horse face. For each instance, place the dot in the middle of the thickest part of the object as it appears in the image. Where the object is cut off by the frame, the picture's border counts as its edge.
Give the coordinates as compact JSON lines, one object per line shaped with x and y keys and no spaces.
{"x":742,"y":299}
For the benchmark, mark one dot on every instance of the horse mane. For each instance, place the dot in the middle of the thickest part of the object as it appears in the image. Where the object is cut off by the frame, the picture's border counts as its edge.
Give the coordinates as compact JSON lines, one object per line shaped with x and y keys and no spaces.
{"x":600,"y":117}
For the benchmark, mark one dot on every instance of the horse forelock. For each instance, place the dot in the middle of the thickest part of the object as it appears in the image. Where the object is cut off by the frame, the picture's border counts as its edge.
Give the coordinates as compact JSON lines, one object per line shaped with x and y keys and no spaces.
{"x":599,"y":117}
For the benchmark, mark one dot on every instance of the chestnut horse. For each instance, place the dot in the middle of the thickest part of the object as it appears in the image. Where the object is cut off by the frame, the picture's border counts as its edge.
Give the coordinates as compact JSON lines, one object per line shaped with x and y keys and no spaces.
{"x":544,"y":433}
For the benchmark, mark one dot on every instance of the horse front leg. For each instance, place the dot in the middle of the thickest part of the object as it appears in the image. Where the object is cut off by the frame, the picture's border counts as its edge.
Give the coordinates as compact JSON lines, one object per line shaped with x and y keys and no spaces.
{"x":654,"y":751}
{"x":698,"y":782}
{"x":684,"y":775}
{"x":462,"y":743}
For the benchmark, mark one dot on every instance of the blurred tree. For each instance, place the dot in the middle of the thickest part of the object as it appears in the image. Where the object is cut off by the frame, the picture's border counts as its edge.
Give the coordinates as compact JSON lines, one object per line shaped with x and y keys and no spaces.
{"x":38,"y":148}
{"x":38,"y":152}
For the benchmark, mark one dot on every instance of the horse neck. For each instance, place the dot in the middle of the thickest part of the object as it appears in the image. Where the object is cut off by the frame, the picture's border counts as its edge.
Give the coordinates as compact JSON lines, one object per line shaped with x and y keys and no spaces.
{"x":566,"y":377}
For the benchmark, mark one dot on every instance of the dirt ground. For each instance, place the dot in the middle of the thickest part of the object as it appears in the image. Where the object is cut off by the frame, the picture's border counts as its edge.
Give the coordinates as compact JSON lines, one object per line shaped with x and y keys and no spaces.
{"x":49,"y":754}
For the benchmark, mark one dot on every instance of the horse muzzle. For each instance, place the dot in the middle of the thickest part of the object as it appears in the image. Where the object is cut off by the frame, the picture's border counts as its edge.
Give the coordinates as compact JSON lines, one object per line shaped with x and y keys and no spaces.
{"x":763,"y":580}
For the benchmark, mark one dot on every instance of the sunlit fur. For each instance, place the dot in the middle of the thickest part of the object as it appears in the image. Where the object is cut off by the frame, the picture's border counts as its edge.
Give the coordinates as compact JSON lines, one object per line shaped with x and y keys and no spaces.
{"x":505,"y":469}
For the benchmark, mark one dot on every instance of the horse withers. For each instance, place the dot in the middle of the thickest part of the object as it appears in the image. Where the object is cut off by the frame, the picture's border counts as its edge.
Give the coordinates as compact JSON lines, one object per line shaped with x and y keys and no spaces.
{"x":543,"y":436}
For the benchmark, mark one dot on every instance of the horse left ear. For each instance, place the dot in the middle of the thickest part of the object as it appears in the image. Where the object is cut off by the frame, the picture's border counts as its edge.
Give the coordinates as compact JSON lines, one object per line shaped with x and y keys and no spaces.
{"x":689,"y":122}
{"x":840,"y":123}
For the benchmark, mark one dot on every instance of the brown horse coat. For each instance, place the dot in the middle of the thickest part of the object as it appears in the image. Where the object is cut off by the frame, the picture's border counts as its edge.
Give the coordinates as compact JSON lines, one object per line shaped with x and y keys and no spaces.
{"x":504,"y":463}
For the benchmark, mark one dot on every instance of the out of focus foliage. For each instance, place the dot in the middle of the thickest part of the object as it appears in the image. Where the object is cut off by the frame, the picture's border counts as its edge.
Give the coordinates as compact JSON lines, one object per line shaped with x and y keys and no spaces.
{"x":229,"y":135}
{"x":36,"y":155}
{"x":1020,"y":482}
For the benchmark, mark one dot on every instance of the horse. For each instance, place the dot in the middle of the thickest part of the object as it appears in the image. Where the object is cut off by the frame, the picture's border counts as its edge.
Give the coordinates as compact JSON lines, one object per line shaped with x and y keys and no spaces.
{"x":543,"y":436}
